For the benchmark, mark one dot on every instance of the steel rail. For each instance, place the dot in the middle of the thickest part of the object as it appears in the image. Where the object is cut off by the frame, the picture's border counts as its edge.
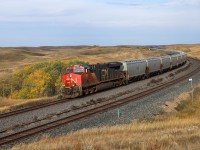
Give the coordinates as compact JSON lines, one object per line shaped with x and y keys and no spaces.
{"x":100,"y":109}
{"x":27,"y":109}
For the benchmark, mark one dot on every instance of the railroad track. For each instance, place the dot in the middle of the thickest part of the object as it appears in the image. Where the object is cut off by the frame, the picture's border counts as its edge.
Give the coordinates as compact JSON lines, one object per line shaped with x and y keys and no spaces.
{"x":24,"y":110}
{"x":39,"y":129}
{"x":12,"y":113}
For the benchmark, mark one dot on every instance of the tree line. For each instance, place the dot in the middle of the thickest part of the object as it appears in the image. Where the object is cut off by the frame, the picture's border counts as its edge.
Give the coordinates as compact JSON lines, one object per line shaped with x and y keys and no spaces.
{"x":36,"y":80}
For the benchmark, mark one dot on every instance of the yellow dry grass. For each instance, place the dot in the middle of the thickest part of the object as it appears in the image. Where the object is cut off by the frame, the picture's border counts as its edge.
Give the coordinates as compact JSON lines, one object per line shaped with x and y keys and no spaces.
{"x":171,"y":105}
{"x":193,"y":50}
{"x":8,"y":102}
{"x":7,"y":105}
{"x":178,"y":131}
{"x":13,"y":59}
{"x":172,"y":133}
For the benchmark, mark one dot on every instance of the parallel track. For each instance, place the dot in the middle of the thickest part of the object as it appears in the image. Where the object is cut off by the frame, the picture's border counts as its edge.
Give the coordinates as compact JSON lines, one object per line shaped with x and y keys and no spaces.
{"x":13,"y":113}
{"x":24,"y":110}
{"x":39,"y":129}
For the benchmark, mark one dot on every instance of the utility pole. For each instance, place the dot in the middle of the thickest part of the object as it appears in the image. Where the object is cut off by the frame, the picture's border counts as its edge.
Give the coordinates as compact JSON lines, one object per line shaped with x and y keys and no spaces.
{"x":192,"y":90}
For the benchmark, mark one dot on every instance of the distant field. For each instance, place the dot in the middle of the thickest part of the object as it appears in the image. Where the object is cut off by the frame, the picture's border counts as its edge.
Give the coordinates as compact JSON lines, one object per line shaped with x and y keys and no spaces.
{"x":192,"y":50}
{"x":13,"y":59}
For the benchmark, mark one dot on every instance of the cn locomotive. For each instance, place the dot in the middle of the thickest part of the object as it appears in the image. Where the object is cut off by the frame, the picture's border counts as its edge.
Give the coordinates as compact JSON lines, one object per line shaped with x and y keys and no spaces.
{"x":86,"y":79}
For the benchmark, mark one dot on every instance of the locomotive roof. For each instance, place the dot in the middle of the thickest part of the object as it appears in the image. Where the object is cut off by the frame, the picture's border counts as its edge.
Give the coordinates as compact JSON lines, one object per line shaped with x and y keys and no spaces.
{"x":109,"y":65}
{"x":137,"y":60}
{"x":154,"y":58}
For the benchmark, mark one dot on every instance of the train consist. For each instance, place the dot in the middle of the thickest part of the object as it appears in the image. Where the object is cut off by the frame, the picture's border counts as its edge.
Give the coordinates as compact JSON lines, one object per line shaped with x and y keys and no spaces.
{"x":86,"y":79}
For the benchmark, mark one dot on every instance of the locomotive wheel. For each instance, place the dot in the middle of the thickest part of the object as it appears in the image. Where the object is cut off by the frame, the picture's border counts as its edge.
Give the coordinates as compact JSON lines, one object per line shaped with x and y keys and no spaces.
{"x":147,"y":76}
{"x":125,"y":82}
{"x":143,"y":77}
{"x":76,"y":94}
{"x":86,"y":92}
{"x":92,"y":90}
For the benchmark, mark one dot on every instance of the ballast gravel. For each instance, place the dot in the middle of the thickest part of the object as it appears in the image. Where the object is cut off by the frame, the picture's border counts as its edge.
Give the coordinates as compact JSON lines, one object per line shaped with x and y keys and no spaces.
{"x":24,"y":121}
{"x":147,"y":107}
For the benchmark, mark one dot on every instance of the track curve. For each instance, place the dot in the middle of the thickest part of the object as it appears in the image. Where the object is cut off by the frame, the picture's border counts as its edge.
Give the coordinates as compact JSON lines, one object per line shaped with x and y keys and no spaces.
{"x":103,"y":108}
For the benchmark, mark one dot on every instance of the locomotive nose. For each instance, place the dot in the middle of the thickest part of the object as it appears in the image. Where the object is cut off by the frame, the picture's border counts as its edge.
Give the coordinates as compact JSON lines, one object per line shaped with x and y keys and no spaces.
{"x":69,"y":80}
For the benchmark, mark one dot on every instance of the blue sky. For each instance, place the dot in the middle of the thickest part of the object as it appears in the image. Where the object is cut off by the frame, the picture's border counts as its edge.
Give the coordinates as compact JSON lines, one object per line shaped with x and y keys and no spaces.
{"x":99,"y":22}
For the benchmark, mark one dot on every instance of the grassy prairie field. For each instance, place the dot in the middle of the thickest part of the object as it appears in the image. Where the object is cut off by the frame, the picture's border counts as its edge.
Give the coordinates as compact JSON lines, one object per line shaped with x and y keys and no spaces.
{"x":193,"y":50}
{"x":14,"y":59}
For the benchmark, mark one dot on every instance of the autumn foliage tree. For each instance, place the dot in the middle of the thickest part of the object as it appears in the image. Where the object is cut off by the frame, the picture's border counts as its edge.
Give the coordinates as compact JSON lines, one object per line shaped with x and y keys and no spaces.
{"x":39,"y":80}
{"x":34,"y":85}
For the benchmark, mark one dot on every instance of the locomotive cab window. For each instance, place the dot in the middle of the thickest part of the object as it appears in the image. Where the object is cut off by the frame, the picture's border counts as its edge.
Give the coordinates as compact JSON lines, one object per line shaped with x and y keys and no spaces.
{"x":69,"y":71}
{"x":78,"y":70}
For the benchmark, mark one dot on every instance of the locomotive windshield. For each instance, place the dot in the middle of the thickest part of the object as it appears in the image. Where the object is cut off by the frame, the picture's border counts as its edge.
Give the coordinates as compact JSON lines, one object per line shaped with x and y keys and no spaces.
{"x":78,"y":70}
{"x":75,"y":70}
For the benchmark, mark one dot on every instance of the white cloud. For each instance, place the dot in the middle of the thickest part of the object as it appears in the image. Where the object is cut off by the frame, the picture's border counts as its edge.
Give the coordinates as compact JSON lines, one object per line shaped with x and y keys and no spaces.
{"x":96,"y":13}
{"x":185,"y":2}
